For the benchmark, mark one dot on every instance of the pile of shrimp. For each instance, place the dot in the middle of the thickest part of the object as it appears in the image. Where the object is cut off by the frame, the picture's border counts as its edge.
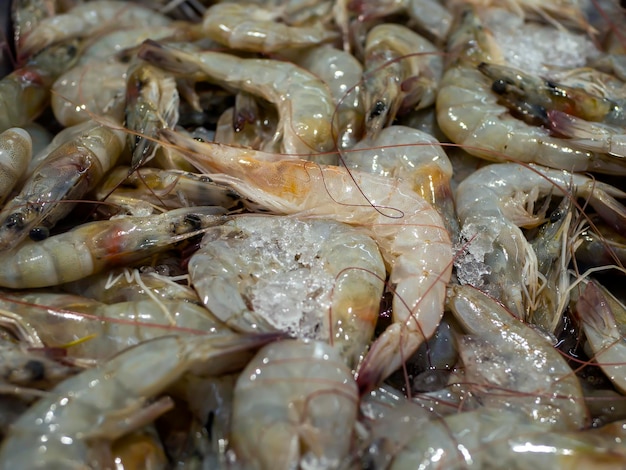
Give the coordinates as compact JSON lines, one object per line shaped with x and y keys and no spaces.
{"x":313,"y":234}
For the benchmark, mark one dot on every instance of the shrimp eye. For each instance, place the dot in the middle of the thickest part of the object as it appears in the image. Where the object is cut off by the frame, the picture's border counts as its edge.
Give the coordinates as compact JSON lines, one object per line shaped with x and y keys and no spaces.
{"x":378,"y":109}
{"x":499,"y":86}
{"x":36,"y":369}
{"x":39,"y":233}
{"x":194,"y":221}
{"x":15,"y":220}
{"x":555,"y":216}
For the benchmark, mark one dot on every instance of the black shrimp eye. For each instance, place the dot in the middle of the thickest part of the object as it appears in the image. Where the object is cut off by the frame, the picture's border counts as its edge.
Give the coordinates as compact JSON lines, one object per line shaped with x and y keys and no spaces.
{"x":15,"y":221}
{"x":378,"y":109}
{"x":39,"y":233}
{"x":194,"y":221}
{"x":499,"y":86}
{"x":36,"y":369}
{"x":555,"y":216}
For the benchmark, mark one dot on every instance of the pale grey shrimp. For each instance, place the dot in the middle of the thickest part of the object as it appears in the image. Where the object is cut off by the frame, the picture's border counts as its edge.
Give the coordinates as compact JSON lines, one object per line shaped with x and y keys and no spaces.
{"x":25,"y":92}
{"x":402,"y":72}
{"x":343,"y":73}
{"x":410,"y":233}
{"x":16,"y":148}
{"x":151,"y":104}
{"x":163,"y":189}
{"x":600,"y":245}
{"x":492,"y":203}
{"x":255,"y":28}
{"x":314,"y":279}
{"x":512,"y":366}
{"x":68,"y":427}
{"x":92,"y":247}
{"x":88,"y":18}
{"x":68,"y":172}
{"x":305,"y":105}
{"x":295,"y":406}
{"x":413,"y":155}
{"x":602,"y":322}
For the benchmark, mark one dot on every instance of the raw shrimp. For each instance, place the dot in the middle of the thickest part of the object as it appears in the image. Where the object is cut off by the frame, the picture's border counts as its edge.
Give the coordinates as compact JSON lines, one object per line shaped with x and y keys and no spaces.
{"x":415,"y":156}
{"x":402,"y":72}
{"x":73,"y":425}
{"x":511,"y":366}
{"x":410,"y":233}
{"x":295,"y":406}
{"x":255,"y":28}
{"x":16,"y":148}
{"x":315,"y":279}
{"x":92,"y":247}
{"x":603,"y":331}
{"x":305,"y":105}
{"x":25,"y":92}
{"x":89,"y":18}
{"x":468,"y":113}
{"x":68,"y":172}
{"x":151,"y":104}
{"x":492,"y":203}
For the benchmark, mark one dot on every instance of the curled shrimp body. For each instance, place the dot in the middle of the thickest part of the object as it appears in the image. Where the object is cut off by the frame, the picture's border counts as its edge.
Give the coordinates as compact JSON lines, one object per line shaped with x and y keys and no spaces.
{"x":255,"y":28}
{"x":410,"y":234}
{"x":68,"y":427}
{"x":491,"y":204}
{"x":468,"y":112}
{"x":86,"y":19}
{"x":402,"y":72}
{"x":503,"y":354}
{"x":295,"y":405}
{"x":315,"y":279}
{"x":94,"y":246}
{"x":16,"y":148}
{"x":305,"y":105}
{"x":25,"y":92}
{"x":68,"y":172}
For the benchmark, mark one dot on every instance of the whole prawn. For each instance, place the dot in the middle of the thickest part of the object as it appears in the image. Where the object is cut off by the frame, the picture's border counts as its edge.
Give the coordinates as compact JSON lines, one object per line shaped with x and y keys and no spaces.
{"x":410,"y":233}
{"x":305,"y":104}
{"x":92,"y":247}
